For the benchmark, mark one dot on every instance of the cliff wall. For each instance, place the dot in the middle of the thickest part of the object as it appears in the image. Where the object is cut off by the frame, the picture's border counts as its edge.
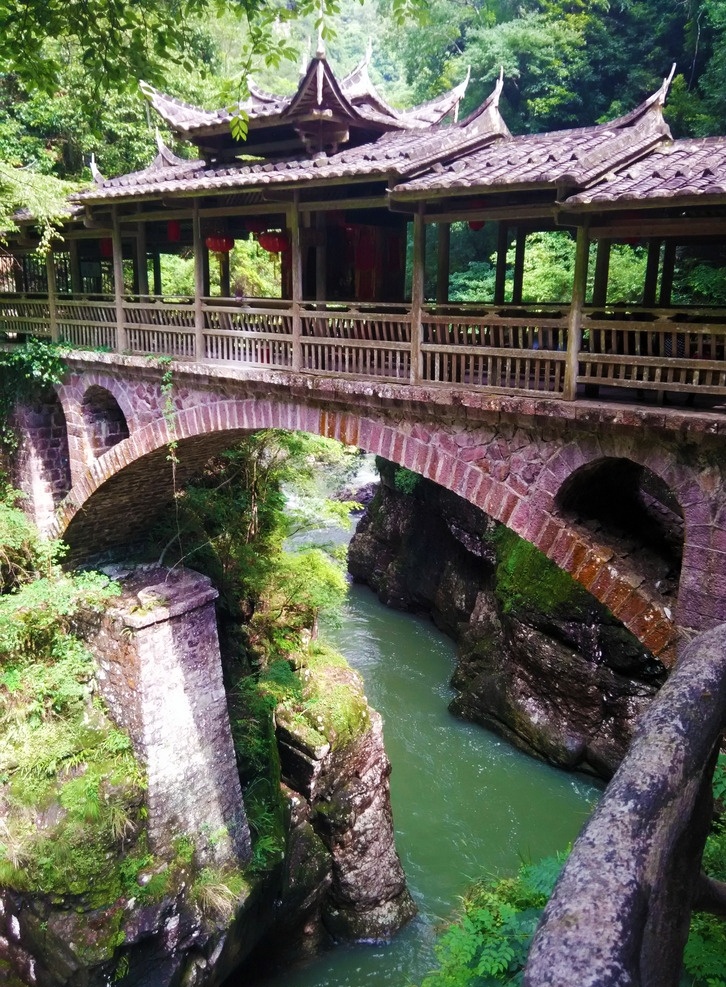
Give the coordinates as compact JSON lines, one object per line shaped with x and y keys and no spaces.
{"x":540,"y":661}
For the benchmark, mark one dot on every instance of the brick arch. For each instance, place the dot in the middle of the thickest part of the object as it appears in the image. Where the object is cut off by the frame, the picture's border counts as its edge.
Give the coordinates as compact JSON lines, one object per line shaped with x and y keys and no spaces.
{"x":72,"y":395}
{"x":104,"y":421}
{"x":125,"y":482}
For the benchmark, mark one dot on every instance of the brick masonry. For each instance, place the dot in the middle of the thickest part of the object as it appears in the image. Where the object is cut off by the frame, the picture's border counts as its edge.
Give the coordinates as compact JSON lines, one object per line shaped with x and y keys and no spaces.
{"x":508,"y":455}
{"x":159,"y":670}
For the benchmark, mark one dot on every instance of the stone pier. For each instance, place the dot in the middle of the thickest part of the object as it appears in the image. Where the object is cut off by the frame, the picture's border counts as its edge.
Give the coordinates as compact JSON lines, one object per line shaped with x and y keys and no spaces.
{"x":159,"y":670}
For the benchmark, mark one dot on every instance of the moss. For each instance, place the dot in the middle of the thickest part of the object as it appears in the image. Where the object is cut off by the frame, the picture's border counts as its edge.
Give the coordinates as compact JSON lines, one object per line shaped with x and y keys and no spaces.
{"x":527,"y":580}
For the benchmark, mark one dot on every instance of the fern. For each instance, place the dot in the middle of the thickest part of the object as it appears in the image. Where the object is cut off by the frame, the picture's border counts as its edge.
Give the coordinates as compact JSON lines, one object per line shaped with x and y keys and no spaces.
{"x":488,"y":943}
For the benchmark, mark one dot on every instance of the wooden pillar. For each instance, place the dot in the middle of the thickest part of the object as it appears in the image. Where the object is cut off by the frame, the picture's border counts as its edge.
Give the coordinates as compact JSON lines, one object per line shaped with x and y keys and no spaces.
{"x":602,"y":273}
{"x":52,"y":296}
{"x":206,"y":281}
{"x":519,"y":267}
{"x":76,"y":279}
{"x":201,"y":271}
{"x":443,"y":263}
{"x":650,"y":288}
{"x":500,"y":281}
{"x":142,"y":273}
{"x":118,"y":281}
{"x":574,"y":324}
{"x":666,"y":279}
{"x":321,"y":257}
{"x":156,"y":262}
{"x":417,"y":291}
{"x":296,"y":278}
{"x":224,"y":278}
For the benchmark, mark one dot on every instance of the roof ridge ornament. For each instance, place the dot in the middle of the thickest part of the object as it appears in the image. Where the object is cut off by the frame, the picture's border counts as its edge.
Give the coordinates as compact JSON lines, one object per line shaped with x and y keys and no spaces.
{"x":97,"y":176}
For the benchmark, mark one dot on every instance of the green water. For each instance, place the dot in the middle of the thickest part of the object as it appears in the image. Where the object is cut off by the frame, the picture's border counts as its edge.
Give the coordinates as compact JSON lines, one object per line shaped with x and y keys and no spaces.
{"x":464,"y":803}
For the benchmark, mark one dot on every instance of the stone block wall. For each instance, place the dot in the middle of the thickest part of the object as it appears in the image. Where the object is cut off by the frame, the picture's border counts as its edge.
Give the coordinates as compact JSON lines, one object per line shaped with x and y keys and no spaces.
{"x":159,"y":670}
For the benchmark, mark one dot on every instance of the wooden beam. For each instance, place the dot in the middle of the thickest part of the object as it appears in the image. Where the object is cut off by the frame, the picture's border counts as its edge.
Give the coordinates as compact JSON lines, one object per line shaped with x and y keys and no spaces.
{"x":200,"y":270}
{"x":500,"y":280}
{"x":443,"y":263}
{"x":161,"y":215}
{"x":602,"y":273}
{"x":417,"y":291}
{"x":493,"y":214}
{"x":683,"y":229}
{"x":293,"y":225}
{"x":118,"y":283}
{"x":574,"y":324}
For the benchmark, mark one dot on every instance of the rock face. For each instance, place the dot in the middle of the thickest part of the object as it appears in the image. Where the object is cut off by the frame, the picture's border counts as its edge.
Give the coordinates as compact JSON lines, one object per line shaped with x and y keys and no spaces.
{"x":540,"y":661}
{"x":347,"y":803}
{"x":339,"y":876}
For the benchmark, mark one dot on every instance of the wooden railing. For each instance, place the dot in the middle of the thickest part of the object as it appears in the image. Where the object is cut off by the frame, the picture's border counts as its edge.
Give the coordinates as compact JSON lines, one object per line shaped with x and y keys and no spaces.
{"x":87,"y":324}
{"x":27,"y":316}
{"x":257,"y":334}
{"x":517,"y":349}
{"x":504,"y":347}
{"x":654,"y":349}
{"x":357,"y":341}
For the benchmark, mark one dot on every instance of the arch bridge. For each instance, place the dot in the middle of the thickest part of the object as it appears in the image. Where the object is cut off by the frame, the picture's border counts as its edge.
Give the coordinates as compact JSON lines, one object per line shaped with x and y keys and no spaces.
{"x":620,"y":497}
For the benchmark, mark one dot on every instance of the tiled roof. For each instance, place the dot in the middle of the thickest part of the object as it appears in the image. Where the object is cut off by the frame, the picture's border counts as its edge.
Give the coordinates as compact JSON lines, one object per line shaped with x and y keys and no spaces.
{"x":575,"y":157}
{"x":186,"y":119}
{"x":355,"y":97}
{"x":680,"y":169}
{"x":398,"y":152}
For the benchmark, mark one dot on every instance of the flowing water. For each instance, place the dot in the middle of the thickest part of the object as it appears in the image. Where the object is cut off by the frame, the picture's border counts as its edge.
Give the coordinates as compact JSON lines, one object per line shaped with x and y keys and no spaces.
{"x":465,"y":803}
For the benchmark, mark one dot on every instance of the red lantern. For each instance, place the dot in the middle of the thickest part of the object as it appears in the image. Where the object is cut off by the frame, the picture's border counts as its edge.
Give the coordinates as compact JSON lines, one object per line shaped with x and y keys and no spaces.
{"x":105,"y":247}
{"x":477,"y":224}
{"x":219,"y":243}
{"x":273,"y":242}
{"x":173,"y":231}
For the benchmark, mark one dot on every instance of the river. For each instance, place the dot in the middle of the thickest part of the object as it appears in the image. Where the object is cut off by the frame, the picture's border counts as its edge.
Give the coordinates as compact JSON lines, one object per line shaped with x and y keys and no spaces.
{"x":465,"y":803}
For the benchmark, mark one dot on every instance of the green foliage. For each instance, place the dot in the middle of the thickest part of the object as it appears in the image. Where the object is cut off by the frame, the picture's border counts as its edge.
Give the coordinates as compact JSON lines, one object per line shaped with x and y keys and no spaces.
{"x":405,"y":480}
{"x":25,"y":372}
{"x":71,"y":786}
{"x":528,"y":580}
{"x":217,"y":892}
{"x":704,"y":958}
{"x":233,"y":524}
{"x":488,"y":942}
{"x":719,"y":778}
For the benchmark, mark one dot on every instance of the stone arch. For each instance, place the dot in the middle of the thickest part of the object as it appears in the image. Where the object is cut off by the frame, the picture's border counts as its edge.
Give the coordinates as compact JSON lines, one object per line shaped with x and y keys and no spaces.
{"x":633,"y":510}
{"x":132,"y":475}
{"x":104,"y":421}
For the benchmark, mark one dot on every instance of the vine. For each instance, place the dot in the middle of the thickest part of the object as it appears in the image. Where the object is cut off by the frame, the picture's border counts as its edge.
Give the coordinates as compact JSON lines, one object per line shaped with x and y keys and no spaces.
{"x":25,"y":371}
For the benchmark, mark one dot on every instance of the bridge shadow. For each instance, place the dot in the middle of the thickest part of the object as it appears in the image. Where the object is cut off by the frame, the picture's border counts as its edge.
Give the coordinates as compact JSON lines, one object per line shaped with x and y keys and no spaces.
{"x":631,"y":510}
